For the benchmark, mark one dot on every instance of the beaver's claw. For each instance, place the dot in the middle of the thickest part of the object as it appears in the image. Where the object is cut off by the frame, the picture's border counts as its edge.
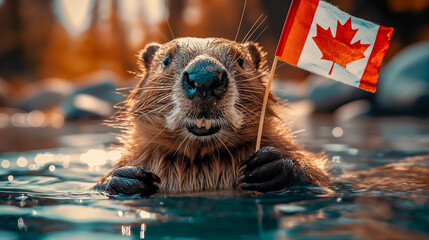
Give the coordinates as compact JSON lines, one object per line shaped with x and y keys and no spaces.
{"x":267,"y":171}
{"x":131,"y":180}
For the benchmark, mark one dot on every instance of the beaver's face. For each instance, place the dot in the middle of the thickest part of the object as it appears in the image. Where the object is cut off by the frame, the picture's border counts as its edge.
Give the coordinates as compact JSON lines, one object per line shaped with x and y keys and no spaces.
{"x":208,"y":88}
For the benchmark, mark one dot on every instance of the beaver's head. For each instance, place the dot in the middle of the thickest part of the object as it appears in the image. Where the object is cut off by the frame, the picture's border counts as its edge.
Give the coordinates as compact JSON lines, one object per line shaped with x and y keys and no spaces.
{"x":205,"y":91}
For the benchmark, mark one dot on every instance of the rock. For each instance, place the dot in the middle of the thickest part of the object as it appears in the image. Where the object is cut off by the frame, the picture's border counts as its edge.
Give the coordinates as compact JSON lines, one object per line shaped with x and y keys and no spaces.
{"x":403,"y":87}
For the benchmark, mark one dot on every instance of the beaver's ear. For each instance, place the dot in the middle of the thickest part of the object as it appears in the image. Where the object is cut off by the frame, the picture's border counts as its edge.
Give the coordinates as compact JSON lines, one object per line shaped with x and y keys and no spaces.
{"x":147,"y":54}
{"x":257,"y":54}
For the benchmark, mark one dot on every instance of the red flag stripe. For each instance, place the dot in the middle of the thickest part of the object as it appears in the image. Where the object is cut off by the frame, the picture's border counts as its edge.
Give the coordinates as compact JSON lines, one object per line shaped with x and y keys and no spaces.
{"x":298,"y":23}
{"x":370,"y":75}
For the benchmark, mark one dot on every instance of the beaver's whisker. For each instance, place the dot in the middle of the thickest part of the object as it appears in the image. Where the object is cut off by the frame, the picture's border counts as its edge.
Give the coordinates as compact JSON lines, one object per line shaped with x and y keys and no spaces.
{"x":158,"y":87}
{"x":241,"y":105}
{"x":250,"y":88}
{"x":163,"y":36}
{"x":253,"y":77}
{"x":162,"y":129}
{"x":257,"y":20}
{"x":241,"y":19}
{"x":263,"y":30}
{"x":227,"y":149}
{"x":186,"y":147}
{"x":162,"y":107}
{"x":247,"y":79}
{"x":244,"y":95}
{"x":163,"y":98}
{"x":165,"y":107}
{"x":169,"y":75}
{"x":184,"y":139}
{"x":171,"y":31}
{"x":215,"y":142}
{"x":155,"y":90}
{"x":253,"y":32}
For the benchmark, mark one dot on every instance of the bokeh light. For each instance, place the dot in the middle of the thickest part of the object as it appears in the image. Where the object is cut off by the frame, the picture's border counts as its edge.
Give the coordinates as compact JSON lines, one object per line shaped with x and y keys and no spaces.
{"x":52,"y":168}
{"x":5,"y":163}
{"x":337,"y":132}
{"x":57,"y":120}
{"x":19,"y":120}
{"x":22,"y":162}
{"x":44,"y":158}
{"x":36,"y":118}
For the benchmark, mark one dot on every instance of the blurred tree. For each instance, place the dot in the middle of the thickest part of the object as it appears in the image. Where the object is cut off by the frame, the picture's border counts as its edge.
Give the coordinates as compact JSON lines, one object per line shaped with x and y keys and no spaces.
{"x":34,"y":43}
{"x":24,"y":26}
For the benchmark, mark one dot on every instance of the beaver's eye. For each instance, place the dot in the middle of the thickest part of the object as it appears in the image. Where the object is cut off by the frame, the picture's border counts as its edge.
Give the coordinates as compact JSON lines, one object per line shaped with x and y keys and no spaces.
{"x":166,"y":61}
{"x":240,"y":61}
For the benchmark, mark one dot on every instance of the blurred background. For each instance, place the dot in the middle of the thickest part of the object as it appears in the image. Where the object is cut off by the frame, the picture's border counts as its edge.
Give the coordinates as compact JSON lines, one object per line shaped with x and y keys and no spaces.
{"x":62,"y":61}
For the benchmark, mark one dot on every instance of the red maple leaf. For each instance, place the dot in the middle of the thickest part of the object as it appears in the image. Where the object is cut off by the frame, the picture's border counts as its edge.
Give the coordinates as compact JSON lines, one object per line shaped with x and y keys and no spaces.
{"x":338,"y":49}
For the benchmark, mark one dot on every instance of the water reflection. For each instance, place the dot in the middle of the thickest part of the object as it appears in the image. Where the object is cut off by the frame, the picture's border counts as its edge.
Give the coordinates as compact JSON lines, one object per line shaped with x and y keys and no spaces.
{"x":95,"y":158}
{"x":142,"y":230}
{"x":21,"y":162}
{"x":5,"y":163}
{"x":21,"y":224}
{"x":126,"y":230}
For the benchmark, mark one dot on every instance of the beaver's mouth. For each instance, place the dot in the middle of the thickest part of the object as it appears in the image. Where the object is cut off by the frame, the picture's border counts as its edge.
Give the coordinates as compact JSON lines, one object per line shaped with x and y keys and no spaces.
{"x":203,"y":127}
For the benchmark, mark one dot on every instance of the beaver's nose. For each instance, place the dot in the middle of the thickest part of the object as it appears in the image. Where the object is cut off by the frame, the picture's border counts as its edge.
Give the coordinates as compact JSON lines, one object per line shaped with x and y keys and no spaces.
{"x":205,"y":79}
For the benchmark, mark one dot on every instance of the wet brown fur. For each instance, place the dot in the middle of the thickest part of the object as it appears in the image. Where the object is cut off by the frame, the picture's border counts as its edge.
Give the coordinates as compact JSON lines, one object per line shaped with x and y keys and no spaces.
{"x":154,"y":140}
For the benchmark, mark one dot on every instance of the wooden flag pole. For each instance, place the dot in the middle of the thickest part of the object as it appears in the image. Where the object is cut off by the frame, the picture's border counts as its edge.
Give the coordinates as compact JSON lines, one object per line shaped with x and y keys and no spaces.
{"x":264,"y":104}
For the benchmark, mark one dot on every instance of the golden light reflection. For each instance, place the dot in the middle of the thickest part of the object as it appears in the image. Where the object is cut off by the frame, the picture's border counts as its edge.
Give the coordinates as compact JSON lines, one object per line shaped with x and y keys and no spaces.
{"x":126,"y":230}
{"x":10,"y":178}
{"x":5,"y":163}
{"x":66,"y":164}
{"x":142,"y":230}
{"x":94,"y":158}
{"x":114,"y":155}
{"x":145,"y":215}
{"x":33,"y":167}
{"x":120,"y":213}
{"x":44,"y":158}
{"x":22,"y":162}
{"x":51,"y":168}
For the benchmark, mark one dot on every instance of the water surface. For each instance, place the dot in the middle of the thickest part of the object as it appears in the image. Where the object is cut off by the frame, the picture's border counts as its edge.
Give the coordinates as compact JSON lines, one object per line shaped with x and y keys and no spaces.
{"x":44,"y":194}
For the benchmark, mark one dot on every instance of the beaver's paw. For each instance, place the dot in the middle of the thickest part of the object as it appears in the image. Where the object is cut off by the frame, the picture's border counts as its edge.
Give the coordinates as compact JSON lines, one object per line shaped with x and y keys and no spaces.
{"x":267,"y":171}
{"x":131,"y":180}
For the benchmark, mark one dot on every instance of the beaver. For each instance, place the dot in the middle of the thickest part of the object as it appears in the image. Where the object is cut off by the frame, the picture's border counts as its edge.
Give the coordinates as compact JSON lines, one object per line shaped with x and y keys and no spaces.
{"x":190,"y":125}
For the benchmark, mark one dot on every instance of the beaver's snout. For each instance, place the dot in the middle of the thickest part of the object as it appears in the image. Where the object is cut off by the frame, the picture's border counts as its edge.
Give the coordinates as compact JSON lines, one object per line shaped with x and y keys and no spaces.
{"x":205,"y":79}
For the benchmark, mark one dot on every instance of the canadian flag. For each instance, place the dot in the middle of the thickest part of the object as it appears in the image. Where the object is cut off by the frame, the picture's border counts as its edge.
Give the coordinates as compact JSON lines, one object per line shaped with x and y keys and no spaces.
{"x":322,"y":39}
